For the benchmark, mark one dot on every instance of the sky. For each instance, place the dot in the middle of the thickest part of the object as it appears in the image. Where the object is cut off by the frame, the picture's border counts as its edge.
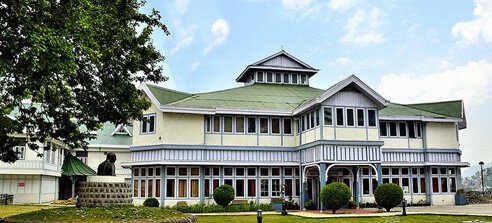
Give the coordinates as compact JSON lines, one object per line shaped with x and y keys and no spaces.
{"x":409,"y":51}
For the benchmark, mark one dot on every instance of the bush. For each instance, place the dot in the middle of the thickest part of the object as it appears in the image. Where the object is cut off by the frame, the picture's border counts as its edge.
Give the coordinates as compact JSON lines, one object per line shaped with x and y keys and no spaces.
{"x":309,"y":205}
{"x":223,"y":195}
{"x":388,"y":195}
{"x":214,"y":208}
{"x":151,"y":202}
{"x":335,"y":195}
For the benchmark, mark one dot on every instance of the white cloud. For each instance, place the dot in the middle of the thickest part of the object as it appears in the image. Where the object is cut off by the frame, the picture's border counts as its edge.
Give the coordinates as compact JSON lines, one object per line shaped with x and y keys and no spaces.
{"x":186,"y":38}
{"x":362,"y":28}
{"x":181,"y":6}
{"x":344,"y":61}
{"x":220,"y":30}
{"x":298,"y":4}
{"x":481,"y":28}
{"x":471,"y":82}
{"x":304,"y":8}
{"x":341,"y":4}
{"x":195,"y":65}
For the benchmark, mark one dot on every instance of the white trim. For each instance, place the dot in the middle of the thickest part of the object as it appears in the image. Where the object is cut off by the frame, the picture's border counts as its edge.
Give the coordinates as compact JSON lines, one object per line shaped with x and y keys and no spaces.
{"x":108,"y":146}
{"x":418,"y":118}
{"x":119,"y":127}
{"x":228,"y":111}
{"x":147,"y":91}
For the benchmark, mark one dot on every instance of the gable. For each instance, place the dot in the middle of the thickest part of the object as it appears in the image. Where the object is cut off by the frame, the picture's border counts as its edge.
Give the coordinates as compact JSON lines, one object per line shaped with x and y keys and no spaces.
{"x":350,"y":96}
{"x":282,"y":61}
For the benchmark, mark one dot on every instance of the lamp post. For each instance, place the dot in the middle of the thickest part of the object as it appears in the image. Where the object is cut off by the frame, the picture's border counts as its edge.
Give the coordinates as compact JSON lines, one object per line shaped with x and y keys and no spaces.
{"x":481,"y":174}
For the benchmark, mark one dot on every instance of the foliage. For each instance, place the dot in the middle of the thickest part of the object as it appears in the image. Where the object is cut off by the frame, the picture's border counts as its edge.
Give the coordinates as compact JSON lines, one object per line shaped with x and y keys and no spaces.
{"x":309,"y":205}
{"x":151,"y":202}
{"x":388,"y":195}
{"x":223,"y":195}
{"x":291,"y":204}
{"x":68,"y":66}
{"x":214,"y":208}
{"x":72,"y":214}
{"x":335,"y":195}
{"x":474,"y":182}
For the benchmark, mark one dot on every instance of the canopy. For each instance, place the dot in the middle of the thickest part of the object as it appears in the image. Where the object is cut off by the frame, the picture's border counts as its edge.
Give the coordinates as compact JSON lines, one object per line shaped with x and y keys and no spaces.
{"x":74,"y":167}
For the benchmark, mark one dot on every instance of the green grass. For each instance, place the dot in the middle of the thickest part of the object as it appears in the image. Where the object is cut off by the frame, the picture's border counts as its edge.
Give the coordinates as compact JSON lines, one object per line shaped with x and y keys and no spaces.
{"x":72,"y":214}
{"x":295,"y":219}
{"x":8,"y":210}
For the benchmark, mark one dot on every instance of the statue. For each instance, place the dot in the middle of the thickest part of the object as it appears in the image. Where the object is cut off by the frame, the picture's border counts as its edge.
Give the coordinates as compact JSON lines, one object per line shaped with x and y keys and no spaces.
{"x":107,"y":168}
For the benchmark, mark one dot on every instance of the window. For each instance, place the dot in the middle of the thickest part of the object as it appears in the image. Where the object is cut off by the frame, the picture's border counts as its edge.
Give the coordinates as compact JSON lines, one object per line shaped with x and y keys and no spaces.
{"x":403,"y":129}
{"x":303,"y":79}
{"x":194,"y":185}
{"x":294,"y":78}
{"x":317,"y":117}
{"x":264,"y":172}
{"x":81,"y":155}
{"x":411,"y":129}
{"x":278,"y":78}
{"x":452,"y":184}
{"x":371,"y":113}
{"x":340,"y":116}
{"x":275,"y":187}
{"x":395,"y":171}
{"x":182,"y":171}
{"x":142,"y":188}
{"x":207,"y":187}
{"x":228,"y":171}
{"x":365,"y":186}
{"x":328,"y":116}
{"x":264,"y":187}
{"x":276,"y":171}
{"x":392,"y":127}
{"x":288,"y":171}
{"x":418,"y":129}
{"x":149,"y":189}
{"x":239,"y":124}
{"x":312,"y":116}
{"x":405,"y":184}
{"x":383,"y":129}
{"x":239,"y":188}
{"x":287,"y":126}
{"x":170,"y":171}
{"x":182,"y":192}
{"x":350,"y":117}
{"x":260,"y":76}
{"x":286,"y":78}
{"x":252,"y":188}
{"x":251,"y":171}
{"x":444,"y":185}
{"x":276,"y":125}
{"x":415,"y":185}
{"x":239,"y":171}
{"x":288,"y":187}
{"x":263,"y":125}
{"x":216,"y":124}
{"x":228,"y":124}
{"x":215,"y":171}
{"x":208,"y":125}
{"x":423,"y":188}
{"x":251,"y":125}
{"x":360,"y":117}
{"x":195,"y":171}
{"x":147,"y":125}
{"x":385,"y":171}
{"x":135,"y":188}
{"x":269,"y":77}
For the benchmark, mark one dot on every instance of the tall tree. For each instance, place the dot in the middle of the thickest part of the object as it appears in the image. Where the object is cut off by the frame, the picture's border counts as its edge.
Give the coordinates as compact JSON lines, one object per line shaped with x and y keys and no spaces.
{"x":76,"y":62}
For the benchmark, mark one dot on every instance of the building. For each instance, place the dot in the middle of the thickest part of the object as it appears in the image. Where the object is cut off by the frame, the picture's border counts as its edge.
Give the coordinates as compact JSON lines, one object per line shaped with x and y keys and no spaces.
{"x":278,"y":131}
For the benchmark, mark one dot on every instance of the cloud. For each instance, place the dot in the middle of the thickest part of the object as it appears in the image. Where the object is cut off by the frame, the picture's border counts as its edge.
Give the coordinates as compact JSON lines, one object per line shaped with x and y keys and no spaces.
{"x":362,"y":28}
{"x":344,"y":61}
{"x":341,"y":4}
{"x":298,"y":5}
{"x":481,"y":28}
{"x":471,"y":82}
{"x":186,"y":38}
{"x":181,"y":6}
{"x":220,"y":30}
{"x":195,"y":65}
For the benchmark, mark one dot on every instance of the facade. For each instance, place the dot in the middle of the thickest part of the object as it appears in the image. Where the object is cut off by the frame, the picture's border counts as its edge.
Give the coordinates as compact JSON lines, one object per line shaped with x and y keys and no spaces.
{"x":278,"y":132}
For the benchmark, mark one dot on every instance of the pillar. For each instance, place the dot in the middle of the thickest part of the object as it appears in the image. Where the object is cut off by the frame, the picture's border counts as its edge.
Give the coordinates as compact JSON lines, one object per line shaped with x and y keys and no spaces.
{"x":322,"y":183}
{"x":303,"y":188}
{"x":202,"y":184}
{"x":428,"y":184}
{"x":163,"y":184}
{"x":355,"y":185}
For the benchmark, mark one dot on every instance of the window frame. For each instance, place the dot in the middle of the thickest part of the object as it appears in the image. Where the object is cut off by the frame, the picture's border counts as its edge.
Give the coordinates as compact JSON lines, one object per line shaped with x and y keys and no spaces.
{"x":337,"y":116}
{"x":363,"y":117}
{"x":376,"y":119}
{"x":147,"y":124}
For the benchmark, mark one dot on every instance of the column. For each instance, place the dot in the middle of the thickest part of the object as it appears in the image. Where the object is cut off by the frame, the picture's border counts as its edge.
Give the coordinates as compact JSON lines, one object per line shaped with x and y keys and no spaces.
{"x":380,"y":173}
{"x":322,"y":183}
{"x":163,"y":181}
{"x":428,"y":184}
{"x":355,"y":186}
{"x":303,"y":187}
{"x":202,"y":184}
{"x":258,"y":185}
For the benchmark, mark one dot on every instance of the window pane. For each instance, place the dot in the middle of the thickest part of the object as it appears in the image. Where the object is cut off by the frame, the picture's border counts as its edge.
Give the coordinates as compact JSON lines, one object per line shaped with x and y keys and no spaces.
{"x":405,"y":184}
{"x":152,"y":123}
{"x":423,"y":188}
{"x":288,"y":187}
{"x":434,"y":170}
{"x":216,"y":123}
{"x":415,"y":185}
{"x":239,"y":171}
{"x":286,"y":78}
{"x":278,"y":78}
{"x":350,"y":117}
{"x":143,"y":172}
{"x":275,"y":187}
{"x":143,"y":125}
{"x":365,"y":186}
{"x":328,"y":117}
{"x":339,"y":116}
{"x":443,"y":170}
{"x":276,"y":125}
{"x":182,"y":188}
{"x":215,"y":184}
{"x":294,"y":78}
{"x":135,"y":188}
{"x":372,"y":117}
{"x":395,"y":171}
{"x":151,"y":172}
{"x":403,"y":129}
{"x":239,"y":124}
{"x":252,"y":188}
{"x":411,"y":129}
{"x":435,"y":185}
{"x":183,"y":171}
{"x":374,"y":185}
{"x":298,"y":187}
{"x":194,"y":185}
{"x":383,"y":131}
{"x":251,"y":125}
{"x":269,"y":77}
{"x":263,"y":171}
{"x":207,"y":188}
{"x":170,"y":171}
{"x":276,"y":171}
{"x":418,"y":128}
{"x":216,"y":171}
{"x":142,"y":188}
{"x":239,"y":188}
{"x":303,"y":79}
{"x":395,"y":180}
{"x":158,"y":188}
{"x":385,"y":171}
{"x":263,"y":125}
{"x":317,"y":117}
{"x":287,"y":126}
{"x":444,"y":185}
{"x":228,"y":182}
{"x":360,"y":117}
{"x":264,"y":187}
{"x":150,"y":187}
{"x":288,"y":171}
{"x":452,"y":184}
{"x":227,"y":124}
{"x":404,"y":171}
{"x":260,"y":76}
{"x":251,"y":171}
{"x":207,"y":123}
{"x":393,"y":131}
{"x":312,"y":115}
{"x":195,"y":171}
{"x":415,"y":171}
{"x":157,"y":171}
{"x":228,"y":171}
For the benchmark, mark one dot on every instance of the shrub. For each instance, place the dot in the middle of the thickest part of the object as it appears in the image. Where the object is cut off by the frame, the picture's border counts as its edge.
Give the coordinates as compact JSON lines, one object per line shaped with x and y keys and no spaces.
{"x":388,"y":195}
{"x":223,"y":195}
{"x":335,"y":195}
{"x":309,"y":205}
{"x":151,"y":202}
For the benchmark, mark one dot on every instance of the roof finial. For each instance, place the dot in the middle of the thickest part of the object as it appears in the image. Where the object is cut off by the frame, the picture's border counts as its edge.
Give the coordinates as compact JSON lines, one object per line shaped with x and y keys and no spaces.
{"x":282,"y":47}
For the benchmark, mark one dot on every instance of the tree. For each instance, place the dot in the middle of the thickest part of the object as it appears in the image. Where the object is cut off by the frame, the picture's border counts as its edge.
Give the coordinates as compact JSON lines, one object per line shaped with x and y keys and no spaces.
{"x":388,"y":195}
{"x":335,"y":195}
{"x":76,"y":64}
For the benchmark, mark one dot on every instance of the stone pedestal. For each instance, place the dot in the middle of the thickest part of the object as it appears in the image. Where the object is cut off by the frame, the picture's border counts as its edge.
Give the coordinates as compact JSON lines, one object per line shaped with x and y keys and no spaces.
{"x":105,"y":191}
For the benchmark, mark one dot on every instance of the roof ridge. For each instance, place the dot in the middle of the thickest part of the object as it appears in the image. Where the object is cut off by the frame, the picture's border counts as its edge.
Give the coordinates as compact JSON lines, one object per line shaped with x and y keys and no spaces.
{"x":168,"y":89}
{"x":436,"y":102}
{"x":408,"y":106}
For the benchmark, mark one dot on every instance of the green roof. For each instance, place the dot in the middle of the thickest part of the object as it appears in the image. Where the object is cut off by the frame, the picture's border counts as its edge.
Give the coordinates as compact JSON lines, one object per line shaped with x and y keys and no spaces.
{"x":451,"y":109}
{"x":258,"y":96}
{"x":74,"y":167}
{"x":165,"y":95}
{"x":104,"y":136}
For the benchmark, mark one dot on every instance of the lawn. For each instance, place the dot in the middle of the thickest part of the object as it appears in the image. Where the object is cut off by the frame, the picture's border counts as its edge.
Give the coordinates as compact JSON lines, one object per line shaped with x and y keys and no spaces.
{"x":295,"y":219}
{"x":7,"y":210}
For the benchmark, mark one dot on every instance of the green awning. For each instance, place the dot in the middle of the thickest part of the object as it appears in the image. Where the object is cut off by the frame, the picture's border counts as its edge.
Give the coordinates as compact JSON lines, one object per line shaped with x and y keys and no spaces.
{"x":74,"y":167}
